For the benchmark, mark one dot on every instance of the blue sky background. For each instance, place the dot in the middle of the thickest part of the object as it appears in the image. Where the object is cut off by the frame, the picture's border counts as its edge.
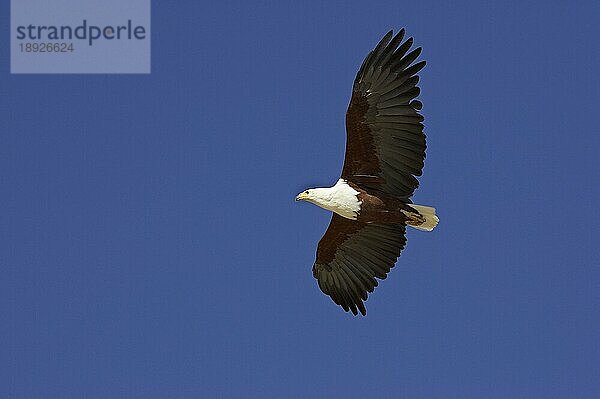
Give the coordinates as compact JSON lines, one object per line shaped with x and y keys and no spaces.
{"x":150,"y":246}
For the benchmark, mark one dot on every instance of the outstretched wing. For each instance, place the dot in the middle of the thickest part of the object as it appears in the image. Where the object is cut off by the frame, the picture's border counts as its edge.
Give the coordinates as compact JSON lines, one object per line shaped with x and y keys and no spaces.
{"x":351,"y":255}
{"x":385,"y":145}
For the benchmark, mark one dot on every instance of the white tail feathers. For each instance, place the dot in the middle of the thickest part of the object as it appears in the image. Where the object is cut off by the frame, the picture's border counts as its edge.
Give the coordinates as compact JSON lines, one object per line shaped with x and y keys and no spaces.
{"x":431,"y":219}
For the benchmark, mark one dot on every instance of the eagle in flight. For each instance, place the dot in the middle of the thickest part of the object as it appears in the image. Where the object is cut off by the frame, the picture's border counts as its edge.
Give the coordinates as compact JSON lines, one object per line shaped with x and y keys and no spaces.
{"x":385,"y":149}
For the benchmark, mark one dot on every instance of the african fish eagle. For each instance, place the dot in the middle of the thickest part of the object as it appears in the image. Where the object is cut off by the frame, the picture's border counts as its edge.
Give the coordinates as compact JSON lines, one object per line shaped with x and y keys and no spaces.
{"x":385,"y":149}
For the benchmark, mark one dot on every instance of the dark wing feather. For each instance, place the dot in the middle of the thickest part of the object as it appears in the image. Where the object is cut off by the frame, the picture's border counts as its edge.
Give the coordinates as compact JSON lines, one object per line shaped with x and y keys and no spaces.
{"x":385,"y":137}
{"x":352,"y":255}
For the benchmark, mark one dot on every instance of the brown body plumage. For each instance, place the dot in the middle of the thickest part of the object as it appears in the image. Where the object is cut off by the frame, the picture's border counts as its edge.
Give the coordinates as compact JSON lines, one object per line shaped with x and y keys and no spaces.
{"x":382,"y":208}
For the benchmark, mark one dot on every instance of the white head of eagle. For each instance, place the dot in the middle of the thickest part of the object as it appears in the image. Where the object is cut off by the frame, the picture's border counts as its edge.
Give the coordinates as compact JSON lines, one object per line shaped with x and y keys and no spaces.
{"x":341,"y":199}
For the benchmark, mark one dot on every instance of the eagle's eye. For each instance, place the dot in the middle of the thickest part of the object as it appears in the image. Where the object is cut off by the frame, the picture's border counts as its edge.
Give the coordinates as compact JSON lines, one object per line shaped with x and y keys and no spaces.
{"x":306,"y":192}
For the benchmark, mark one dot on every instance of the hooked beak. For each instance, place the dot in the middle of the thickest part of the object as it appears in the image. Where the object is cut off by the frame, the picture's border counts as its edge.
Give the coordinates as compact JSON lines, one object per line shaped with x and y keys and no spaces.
{"x":301,"y":197}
